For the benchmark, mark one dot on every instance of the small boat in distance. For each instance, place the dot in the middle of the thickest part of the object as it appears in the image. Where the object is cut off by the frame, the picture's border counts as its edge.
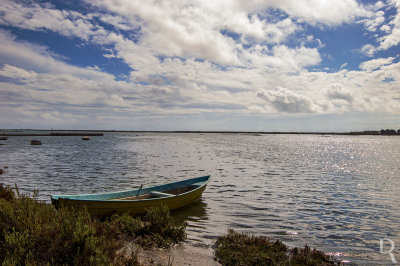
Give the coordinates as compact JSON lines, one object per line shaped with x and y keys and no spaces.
{"x":86,"y":138}
{"x":36,"y":142}
{"x":174,"y":195}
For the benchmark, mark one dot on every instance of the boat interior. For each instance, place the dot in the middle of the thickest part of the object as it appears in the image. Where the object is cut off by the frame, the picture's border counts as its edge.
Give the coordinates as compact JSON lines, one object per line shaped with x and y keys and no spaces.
{"x":160,"y":194}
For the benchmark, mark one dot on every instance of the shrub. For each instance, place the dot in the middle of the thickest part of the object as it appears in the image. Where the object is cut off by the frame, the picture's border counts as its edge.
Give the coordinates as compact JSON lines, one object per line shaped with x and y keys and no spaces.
{"x":308,"y":256}
{"x":155,"y":229}
{"x":36,"y":233}
{"x":245,"y":249}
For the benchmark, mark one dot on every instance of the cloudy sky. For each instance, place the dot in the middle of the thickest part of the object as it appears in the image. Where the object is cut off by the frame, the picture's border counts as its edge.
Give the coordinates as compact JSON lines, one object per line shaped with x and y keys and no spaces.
{"x":272,"y":65}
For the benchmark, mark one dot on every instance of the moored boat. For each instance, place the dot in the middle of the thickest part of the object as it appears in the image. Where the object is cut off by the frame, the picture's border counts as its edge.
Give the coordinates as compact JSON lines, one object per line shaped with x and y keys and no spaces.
{"x":36,"y":142}
{"x":3,"y":138}
{"x":174,"y":195}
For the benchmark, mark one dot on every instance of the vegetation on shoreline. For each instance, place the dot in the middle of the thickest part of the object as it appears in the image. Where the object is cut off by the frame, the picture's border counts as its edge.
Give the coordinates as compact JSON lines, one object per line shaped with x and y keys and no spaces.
{"x":390,"y":132}
{"x":245,"y":249}
{"x":35,"y":233}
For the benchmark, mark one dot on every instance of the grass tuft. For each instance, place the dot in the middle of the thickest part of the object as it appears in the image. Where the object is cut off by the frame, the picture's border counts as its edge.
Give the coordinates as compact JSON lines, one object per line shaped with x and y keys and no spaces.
{"x":245,"y":249}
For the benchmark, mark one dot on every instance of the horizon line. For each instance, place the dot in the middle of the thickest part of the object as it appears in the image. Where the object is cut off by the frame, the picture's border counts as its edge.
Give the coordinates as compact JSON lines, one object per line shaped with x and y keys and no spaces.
{"x":365,"y":132}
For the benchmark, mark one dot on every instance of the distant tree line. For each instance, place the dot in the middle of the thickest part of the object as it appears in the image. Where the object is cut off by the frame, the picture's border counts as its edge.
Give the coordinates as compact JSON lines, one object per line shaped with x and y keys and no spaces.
{"x":390,"y":132}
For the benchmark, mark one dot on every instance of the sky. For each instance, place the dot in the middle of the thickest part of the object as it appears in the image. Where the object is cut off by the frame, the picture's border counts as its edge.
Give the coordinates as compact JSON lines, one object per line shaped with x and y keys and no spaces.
{"x":287,"y":65}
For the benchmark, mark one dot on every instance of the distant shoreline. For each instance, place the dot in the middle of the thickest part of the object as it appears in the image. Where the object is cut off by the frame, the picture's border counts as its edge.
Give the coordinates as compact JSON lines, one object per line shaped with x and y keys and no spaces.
{"x":58,"y":134}
{"x":23,"y":132}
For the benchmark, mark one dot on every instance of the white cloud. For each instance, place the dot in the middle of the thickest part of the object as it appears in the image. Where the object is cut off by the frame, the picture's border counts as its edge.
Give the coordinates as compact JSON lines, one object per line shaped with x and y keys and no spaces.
{"x":390,"y":30}
{"x":297,"y":58}
{"x":376,"y":63}
{"x":316,"y":42}
{"x":187,"y":29}
{"x":372,"y":24}
{"x":16,"y":73}
{"x":342,"y":66}
{"x":390,"y":40}
{"x":116,"y":21}
{"x":38,"y":59}
{"x":337,"y":92}
{"x":95,"y":67}
{"x":40,"y":81}
{"x":379,"y":5}
{"x":385,"y":28}
{"x":329,"y":13}
{"x":193,"y":29}
{"x":36,"y":17}
{"x":368,"y":50}
{"x":285,"y":100}
{"x":177,"y":30}
{"x":393,"y":38}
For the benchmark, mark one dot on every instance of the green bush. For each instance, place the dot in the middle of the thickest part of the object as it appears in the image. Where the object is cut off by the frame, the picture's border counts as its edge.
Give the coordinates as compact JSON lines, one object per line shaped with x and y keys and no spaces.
{"x":155,"y":229}
{"x":35,"y":233}
{"x":245,"y":249}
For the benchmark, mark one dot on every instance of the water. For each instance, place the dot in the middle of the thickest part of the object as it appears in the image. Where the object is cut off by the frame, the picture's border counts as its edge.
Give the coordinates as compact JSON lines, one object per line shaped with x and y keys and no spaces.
{"x":339,"y":194}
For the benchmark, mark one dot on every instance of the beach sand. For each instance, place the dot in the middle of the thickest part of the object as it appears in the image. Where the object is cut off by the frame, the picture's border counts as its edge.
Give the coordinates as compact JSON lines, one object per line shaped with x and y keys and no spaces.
{"x":182,"y":254}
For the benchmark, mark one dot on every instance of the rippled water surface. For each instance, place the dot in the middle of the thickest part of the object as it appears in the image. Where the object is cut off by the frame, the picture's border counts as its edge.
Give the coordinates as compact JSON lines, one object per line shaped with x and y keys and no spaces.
{"x":335,"y":193}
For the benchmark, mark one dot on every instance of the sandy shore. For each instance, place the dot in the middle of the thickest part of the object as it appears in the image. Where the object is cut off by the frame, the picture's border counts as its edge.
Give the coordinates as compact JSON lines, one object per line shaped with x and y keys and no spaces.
{"x":182,"y":254}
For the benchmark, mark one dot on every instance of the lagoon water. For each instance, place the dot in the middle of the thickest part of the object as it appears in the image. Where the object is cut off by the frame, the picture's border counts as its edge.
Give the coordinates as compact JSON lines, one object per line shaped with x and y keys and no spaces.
{"x":340,"y":194}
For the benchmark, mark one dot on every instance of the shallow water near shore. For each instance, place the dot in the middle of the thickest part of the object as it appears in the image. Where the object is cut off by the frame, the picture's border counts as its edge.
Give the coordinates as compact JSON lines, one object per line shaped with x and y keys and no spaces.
{"x":340,"y":194}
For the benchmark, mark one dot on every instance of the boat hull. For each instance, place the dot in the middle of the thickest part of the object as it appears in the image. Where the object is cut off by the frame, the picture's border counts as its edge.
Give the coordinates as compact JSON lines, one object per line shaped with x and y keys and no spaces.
{"x":132,"y":207}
